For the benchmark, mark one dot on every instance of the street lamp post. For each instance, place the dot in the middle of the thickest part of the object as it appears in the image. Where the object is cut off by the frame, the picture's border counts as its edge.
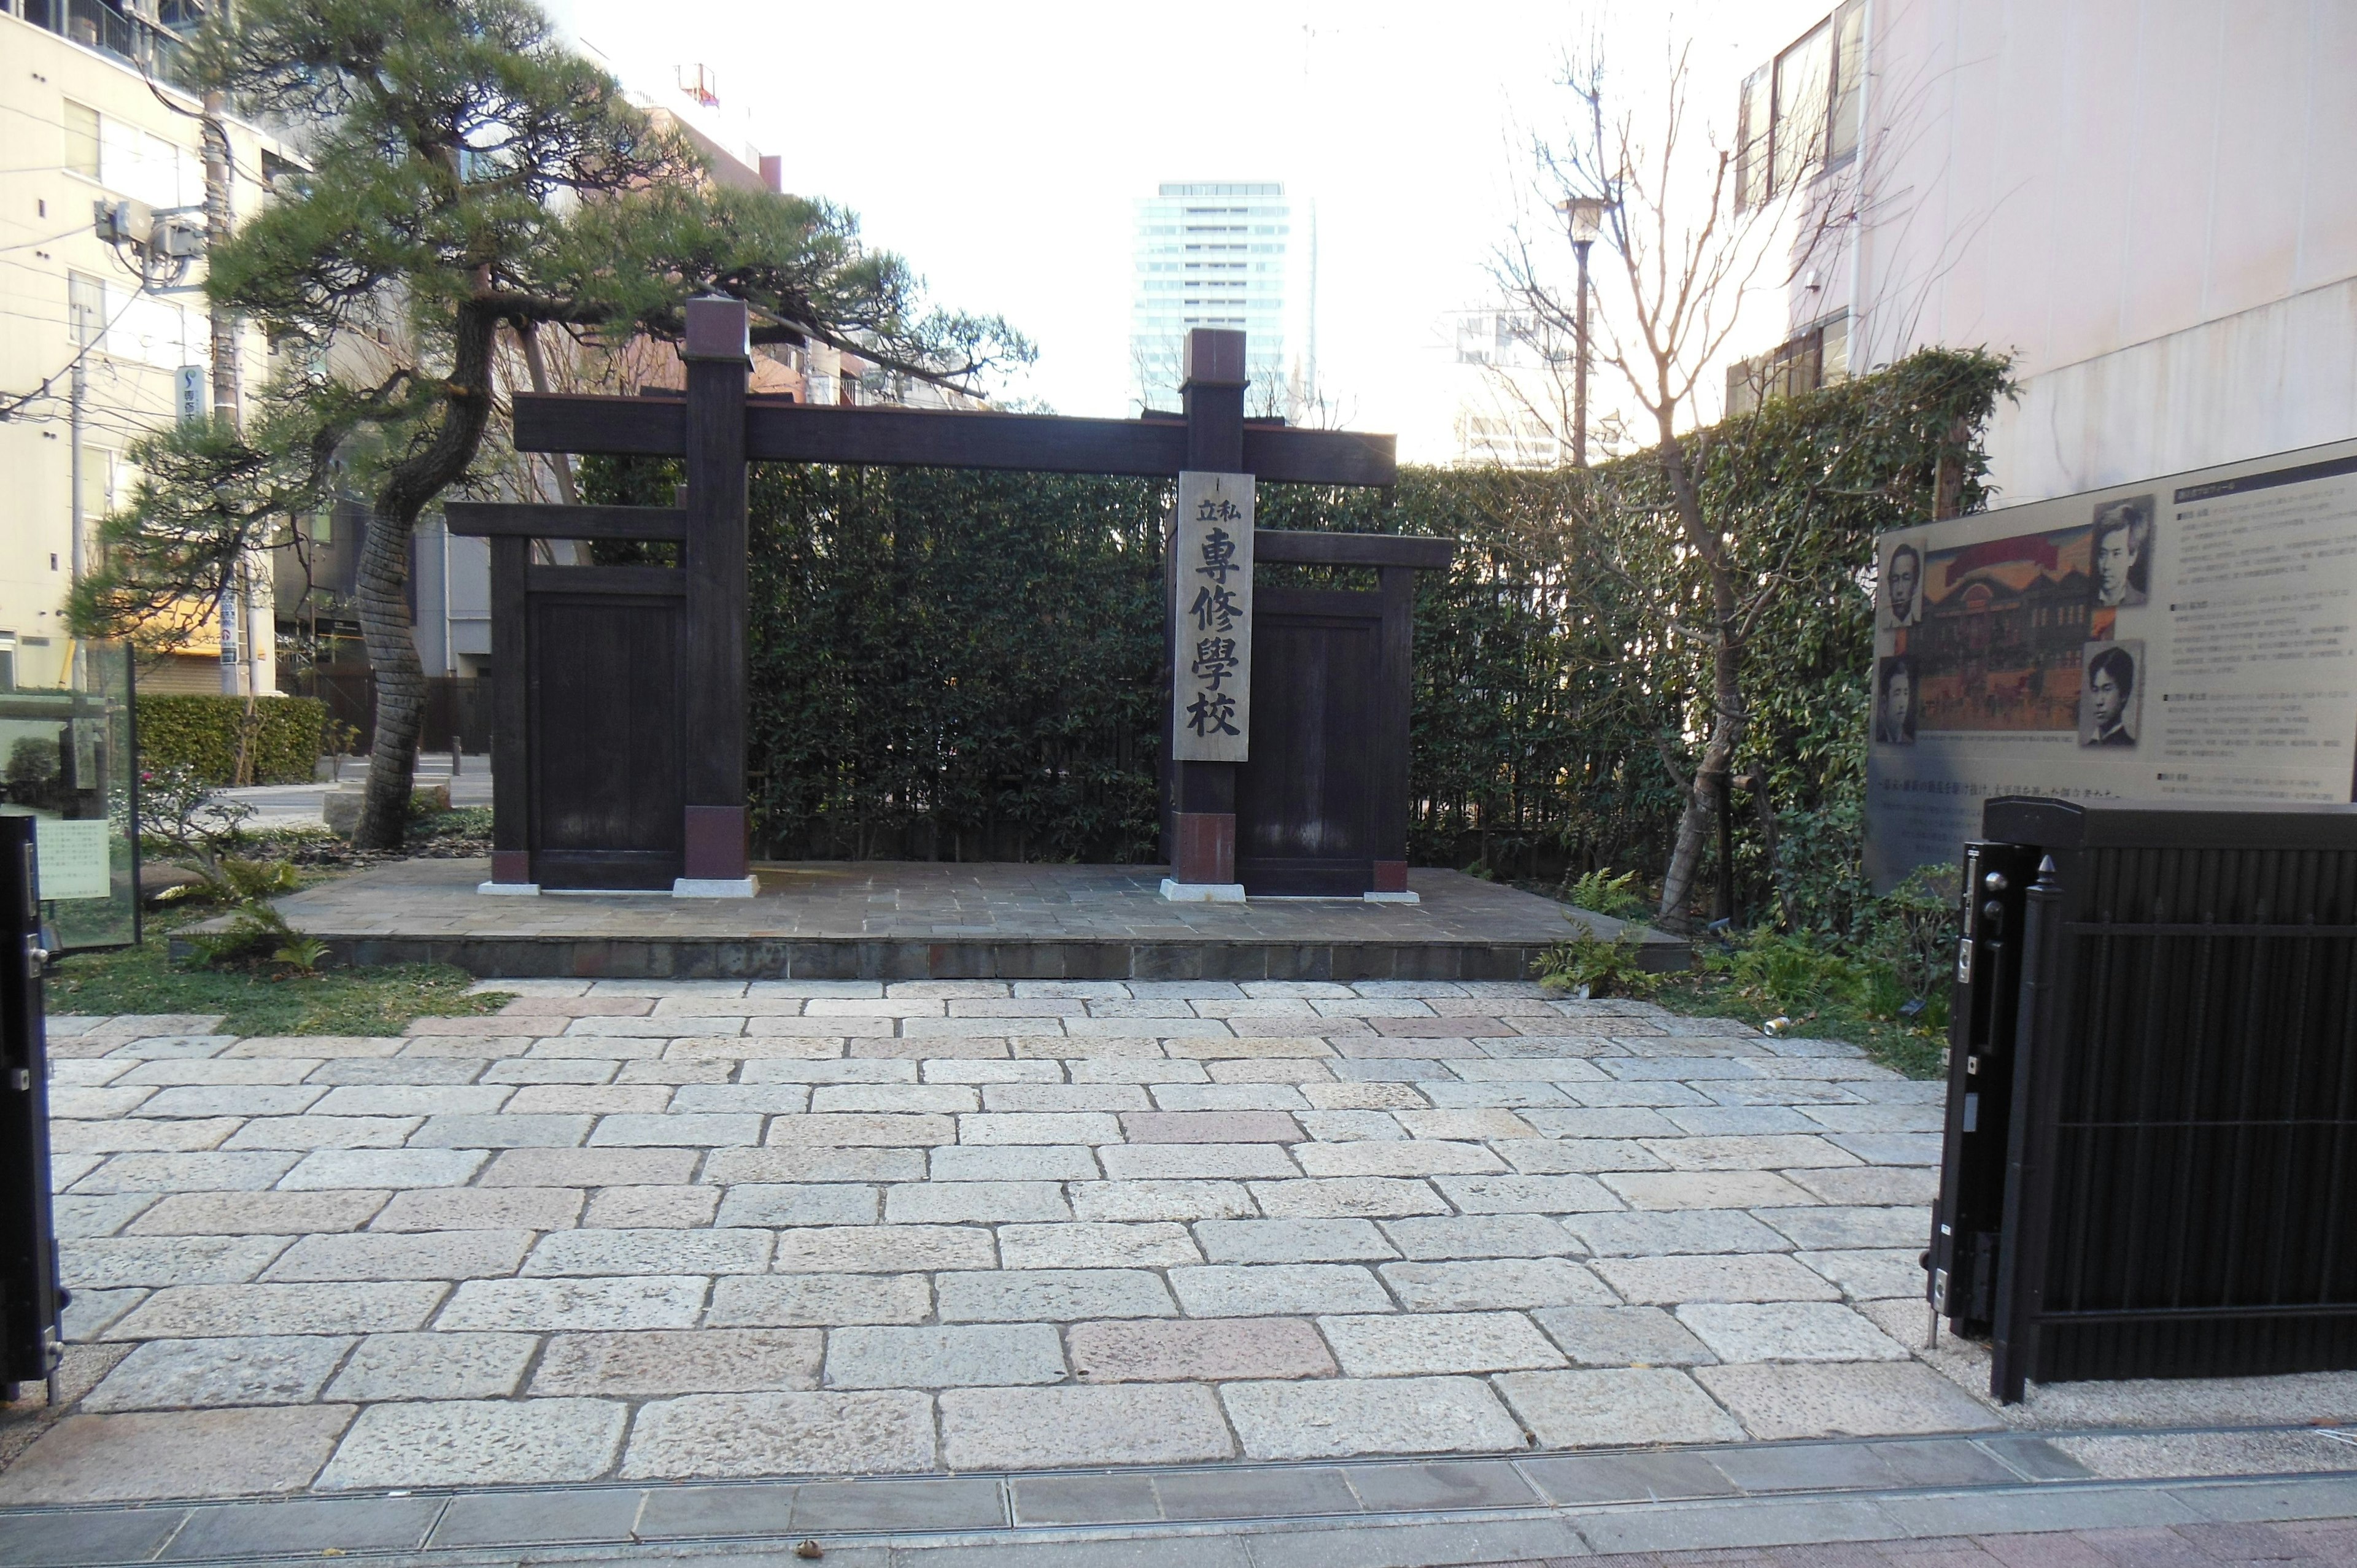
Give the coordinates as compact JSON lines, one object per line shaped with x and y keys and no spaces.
{"x":1584,"y":215}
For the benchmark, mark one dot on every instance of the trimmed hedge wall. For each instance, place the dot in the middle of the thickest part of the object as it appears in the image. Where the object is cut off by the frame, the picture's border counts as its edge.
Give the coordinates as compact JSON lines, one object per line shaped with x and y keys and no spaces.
{"x":200,"y":734}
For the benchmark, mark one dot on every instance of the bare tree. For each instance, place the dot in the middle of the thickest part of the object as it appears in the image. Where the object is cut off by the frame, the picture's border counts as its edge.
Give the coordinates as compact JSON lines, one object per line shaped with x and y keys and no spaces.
{"x":1680,"y":252}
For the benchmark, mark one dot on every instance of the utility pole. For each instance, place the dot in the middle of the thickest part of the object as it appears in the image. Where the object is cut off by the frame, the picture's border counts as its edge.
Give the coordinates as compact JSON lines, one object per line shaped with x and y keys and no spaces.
{"x":78,"y":559}
{"x":240,"y":649}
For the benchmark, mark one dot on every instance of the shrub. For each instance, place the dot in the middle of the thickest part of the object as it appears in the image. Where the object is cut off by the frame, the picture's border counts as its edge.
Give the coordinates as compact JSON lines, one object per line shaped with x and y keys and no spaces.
{"x":201,"y":734}
{"x":1590,"y":965}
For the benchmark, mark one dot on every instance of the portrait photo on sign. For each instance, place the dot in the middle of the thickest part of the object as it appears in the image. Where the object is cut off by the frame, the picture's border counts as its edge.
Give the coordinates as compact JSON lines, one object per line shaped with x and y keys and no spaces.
{"x":1902,"y":585}
{"x":2121,"y":572}
{"x":1895,"y":696}
{"x":2111,"y":694}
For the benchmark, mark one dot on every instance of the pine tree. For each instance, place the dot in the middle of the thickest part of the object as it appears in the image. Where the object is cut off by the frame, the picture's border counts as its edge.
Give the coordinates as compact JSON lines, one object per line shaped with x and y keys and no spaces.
{"x":467,"y":175}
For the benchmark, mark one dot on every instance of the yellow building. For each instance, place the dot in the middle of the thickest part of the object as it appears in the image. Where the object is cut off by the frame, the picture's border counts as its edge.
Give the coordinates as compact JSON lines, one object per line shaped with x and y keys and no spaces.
{"x":91,"y":117}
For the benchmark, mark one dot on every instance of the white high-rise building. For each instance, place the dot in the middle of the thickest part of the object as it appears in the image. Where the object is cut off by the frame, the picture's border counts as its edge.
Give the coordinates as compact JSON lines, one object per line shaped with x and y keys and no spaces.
{"x":1234,"y":254}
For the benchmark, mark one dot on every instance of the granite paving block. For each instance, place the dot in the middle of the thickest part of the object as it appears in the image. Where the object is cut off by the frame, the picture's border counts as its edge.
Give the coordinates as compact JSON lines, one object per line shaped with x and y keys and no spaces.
{"x":1408,"y":1159}
{"x":590,"y":1099}
{"x":1479,"y":1236}
{"x":219,"y":1071}
{"x":1181,"y":1200}
{"x":1868,"y":1275}
{"x":1514,"y":1096}
{"x":1709,"y":1278}
{"x":503,"y":1131}
{"x":230,"y":1100}
{"x":1133,"y":1423}
{"x":991,"y":1072}
{"x":1564,"y":1156}
{"x":672,"y":1129}
{"x":591,"y":1167}
{"x":1197,"y":1161}
{"x":1874,"y":1185}
{"x":1656,"y":1232}
{"x":164,"y":1047}
{"x":864,"y":1129}
{"x":1621,"y":1336}
{"x":1616,"y":1122}
{"x":1707,"y":1190}
{"x":433,"y":1366}
{"x":969,"y":1203}
{"x":1471,"y":1125}
{"x":1827,"y":1226}
{"x":1051,"y":1295}
{"x":1526,"y":1193}
{"x":211,"y":1171}
{"x":1096,"y":1245}
{"x":1715,"y":1120}
{"x":91,"y":1313}
{"x":479,"y":1209}
{"x":1135,"y":1069}
{"x":1393,"y":1344}
{"x":1345,"y":1126}
{"x":781,"y":1435}
{"x":308,"y":1133}
{"x":206,"y":1312}
{"x":823,"y":1166}
{"x":796,"y":1203}
{"x":99,"y":1214}
{"x":1788,"y":1331}
{"x":397,"y":1255}
{"x":138,"y":1134}
{"x":1497,"y":1282}
{"x":821,"y":1071}
{"x":1227,"y":1290}
{"x":1884,"y":1118}
{"x":665,"y":1207}
{"x":651,"y":1027}
{"x":1870,"y":1399}
{"x":1356,"y":1096}
{"x":396,"y":1070}
{"x":1522,"y":1068}
{"x":900,"y":1099}
{"x":968,"y":1162}
{"x":324,"y":1168}
{"x":1765,"y":1152}
{"x":1031,"y":1129}
{"x":478,"y":1442}
{"x":1616,"y":1407}
{"x":657,"y":1301}
{"x":1222,"y":1126}
{"x":817,"y":1300}
{"x":883,"y":1249}
{"x":1206,"y":1349}
{"x":245,"y":1452}
{"x":1294,"y":1070}
{"x":1326,"y":1418}
{"x":107,"y":1265}
{"x":413,"y":1100}
{"x":172,"y":1374}
{"x":1068,"y":1097}
{"x":1292,"y":1241}
{"x":649,"y":1251}
{"x":1363,"y":1198}
{"x":652,"y":1364}
{"x":951,"y":1356}
{"x":1907,"y":1149}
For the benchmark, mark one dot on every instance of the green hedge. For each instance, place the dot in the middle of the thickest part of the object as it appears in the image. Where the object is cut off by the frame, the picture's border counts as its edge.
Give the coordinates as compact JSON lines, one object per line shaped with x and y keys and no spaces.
{"x":201,"y":734}
{"x":966,"y":665}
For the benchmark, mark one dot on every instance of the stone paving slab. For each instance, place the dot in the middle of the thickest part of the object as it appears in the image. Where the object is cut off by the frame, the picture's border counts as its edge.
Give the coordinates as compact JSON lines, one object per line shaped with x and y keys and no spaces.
{"x":668,"y":1254}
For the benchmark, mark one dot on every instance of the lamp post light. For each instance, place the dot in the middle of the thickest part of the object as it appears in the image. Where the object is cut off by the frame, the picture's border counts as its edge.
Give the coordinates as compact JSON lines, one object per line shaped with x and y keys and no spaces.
{"x":1584,"y":216}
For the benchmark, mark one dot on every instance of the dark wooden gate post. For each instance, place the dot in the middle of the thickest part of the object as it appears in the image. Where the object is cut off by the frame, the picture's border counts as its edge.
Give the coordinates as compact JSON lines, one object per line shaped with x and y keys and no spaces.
{"x":718,"y":352}
{"x":1203,"y":794}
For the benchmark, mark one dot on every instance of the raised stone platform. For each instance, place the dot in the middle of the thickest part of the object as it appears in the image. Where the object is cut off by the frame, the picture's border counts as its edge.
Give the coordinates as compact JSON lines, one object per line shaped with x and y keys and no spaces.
{"x":930,"y":920}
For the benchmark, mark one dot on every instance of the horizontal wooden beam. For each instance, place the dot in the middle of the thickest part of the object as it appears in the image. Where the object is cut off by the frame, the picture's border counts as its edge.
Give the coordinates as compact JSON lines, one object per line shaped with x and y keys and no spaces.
{"x":666,"y":580}
{"x":510,"y":520}
{"x":1304,"y":548}
{"x":941,"y":438}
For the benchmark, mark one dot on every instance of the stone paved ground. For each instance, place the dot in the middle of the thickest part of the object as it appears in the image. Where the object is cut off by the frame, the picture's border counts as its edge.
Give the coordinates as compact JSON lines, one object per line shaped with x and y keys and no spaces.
{"x":2290,"y":1545}
{"x":645,"y":1231}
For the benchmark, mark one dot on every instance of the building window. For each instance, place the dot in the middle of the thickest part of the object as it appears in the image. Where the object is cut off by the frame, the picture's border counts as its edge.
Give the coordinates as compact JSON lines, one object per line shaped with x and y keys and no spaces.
{"x":1799,"y":116}
{"x":81,"y":140}
{"x":1813,"y":359}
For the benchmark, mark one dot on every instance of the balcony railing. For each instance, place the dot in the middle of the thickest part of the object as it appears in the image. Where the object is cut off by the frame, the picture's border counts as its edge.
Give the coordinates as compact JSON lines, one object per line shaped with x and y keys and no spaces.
{"x":152,"y":47}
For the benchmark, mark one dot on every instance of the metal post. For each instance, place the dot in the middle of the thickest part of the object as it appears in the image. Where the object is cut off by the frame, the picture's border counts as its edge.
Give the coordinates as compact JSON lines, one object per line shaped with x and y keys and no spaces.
{"x":79,"y":559}
{"x":1579,"y":363}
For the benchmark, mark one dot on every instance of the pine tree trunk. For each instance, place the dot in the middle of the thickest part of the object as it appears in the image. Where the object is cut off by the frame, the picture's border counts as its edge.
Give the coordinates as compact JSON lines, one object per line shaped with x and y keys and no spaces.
{"x":382,"y":593}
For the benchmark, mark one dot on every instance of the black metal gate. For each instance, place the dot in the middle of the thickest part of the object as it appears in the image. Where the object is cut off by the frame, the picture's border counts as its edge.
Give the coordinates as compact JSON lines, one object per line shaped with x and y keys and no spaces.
{"x":31,"y":1301}
{"x":2151,"y":1158}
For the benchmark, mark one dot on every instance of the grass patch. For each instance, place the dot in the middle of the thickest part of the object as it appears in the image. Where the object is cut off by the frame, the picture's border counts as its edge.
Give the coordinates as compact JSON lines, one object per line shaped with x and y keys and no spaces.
{"x":1904,"y":1048}
{"x":376,"y":1001}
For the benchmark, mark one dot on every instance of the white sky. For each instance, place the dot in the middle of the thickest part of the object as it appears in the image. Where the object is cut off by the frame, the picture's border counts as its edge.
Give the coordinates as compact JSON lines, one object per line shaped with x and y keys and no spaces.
{"x":998,"y":148}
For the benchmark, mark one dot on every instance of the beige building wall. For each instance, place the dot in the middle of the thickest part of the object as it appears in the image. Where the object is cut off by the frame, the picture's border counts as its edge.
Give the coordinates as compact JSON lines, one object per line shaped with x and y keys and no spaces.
{"x":2151,"y":203}
{"x":143,"y":151}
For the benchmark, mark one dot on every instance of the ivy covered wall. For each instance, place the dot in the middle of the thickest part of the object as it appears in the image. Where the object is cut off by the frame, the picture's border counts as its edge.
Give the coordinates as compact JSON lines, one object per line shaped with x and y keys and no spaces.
{"x":962,"y":665}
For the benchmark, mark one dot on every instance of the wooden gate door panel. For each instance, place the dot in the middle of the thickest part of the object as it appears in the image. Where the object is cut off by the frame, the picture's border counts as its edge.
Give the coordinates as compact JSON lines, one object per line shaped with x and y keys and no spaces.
{"x":1306,"y":802}
{"x":606,"y":740}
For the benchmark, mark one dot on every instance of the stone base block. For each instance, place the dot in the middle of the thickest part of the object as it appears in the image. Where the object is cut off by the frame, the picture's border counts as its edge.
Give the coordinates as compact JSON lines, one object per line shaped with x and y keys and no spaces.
{"x":1179,"y":892}
{"x":1390,"y":897}
{"x":510,"y":889}
{"x":716,"y":888}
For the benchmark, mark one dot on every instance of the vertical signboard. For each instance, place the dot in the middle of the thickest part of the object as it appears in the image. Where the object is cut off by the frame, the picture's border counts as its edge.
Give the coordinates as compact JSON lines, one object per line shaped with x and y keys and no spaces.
{"x":1211,"y":683}
{"x":2191,"y":637}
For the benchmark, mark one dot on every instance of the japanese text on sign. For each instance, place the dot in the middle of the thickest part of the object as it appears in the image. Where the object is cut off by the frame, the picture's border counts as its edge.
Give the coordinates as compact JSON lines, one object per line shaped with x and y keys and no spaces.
{"x":1211,"y":683}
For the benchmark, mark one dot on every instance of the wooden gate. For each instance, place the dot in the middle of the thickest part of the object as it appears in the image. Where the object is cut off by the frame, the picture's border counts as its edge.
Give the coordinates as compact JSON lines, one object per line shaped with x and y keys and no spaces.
{"x":1322,"y":806}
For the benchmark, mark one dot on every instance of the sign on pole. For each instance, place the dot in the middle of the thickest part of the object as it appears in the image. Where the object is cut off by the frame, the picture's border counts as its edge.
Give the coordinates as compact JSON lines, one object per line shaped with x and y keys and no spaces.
{"x":2189,"y":637}
{"x":1211,"y":677}
{"x":189,"y":388}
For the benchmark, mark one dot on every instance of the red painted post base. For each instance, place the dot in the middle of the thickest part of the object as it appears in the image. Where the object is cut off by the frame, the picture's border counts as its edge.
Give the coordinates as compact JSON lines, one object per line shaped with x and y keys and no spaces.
{"x":512,"y":866}
{"x":1206,"y":847}
{"x":1391,"y":877}
{"x":714,"y":842}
